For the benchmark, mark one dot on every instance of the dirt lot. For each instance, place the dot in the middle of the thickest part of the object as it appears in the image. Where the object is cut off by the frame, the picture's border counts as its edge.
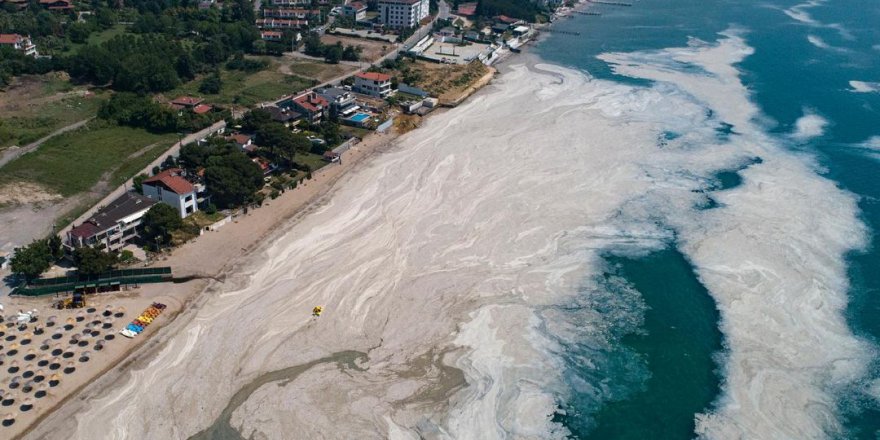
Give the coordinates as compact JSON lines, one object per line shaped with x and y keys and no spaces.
{"x":316,"y":70}
{"x":451,"y":83}
{"x":372,"y":50}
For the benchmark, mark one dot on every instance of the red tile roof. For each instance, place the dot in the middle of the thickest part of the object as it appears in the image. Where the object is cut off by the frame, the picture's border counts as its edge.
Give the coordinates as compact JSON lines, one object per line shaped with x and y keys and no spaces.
{"x":239,"y":138}
{"x":188,"y":101}
{"x":202,"y":109}
{"x":10,"y":38}
{"x":467,"y":9}
{"x":311,"y":101}
{"x":171,"y":179}
{"x":374,"y":76}
{"x":85,"y":230}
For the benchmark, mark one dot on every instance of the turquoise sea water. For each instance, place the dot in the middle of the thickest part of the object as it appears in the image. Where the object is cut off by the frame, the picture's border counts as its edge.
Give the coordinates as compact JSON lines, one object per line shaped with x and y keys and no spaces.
{"x":667,"y":364}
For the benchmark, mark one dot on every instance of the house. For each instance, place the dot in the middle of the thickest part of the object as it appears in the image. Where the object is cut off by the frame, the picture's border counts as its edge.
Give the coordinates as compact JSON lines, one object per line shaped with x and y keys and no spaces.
{"x":57,"y":5}
{"x":241,"y":140}
{"x":282,"y":115}
{"x":290,"y":2}
{"x":170,"y":187}
{"x":296,"y":13}
{"x":356,"y":10}
{"x":373,"y":84}
{"x":16,"y":4}
{"x":114,"y":225}
{"x":397,"y":14}
{"x":19,"y":43}
{"x":271,"y":35}
{"x":342,"y":102}
{"x":280,"y":23}
{"x":311,"y":105}
{"x":467,"y":9}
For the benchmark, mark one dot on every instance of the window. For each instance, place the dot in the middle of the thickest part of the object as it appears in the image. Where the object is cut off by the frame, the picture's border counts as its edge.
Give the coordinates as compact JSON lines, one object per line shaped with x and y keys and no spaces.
{"x":188,"y":198}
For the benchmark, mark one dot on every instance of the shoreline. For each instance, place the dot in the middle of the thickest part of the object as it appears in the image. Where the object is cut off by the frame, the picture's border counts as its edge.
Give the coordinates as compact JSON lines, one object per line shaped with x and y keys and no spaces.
{"x":212,"y":257}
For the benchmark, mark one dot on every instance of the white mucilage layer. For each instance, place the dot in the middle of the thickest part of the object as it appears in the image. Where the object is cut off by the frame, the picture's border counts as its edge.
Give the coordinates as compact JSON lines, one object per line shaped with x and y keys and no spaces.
{"x":483,"y":220}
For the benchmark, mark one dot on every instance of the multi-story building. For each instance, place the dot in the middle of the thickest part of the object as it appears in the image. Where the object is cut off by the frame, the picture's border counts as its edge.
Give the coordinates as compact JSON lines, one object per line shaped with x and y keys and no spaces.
{"x":170,"y":187}
{"x":402,"y":13}
{"x":356,"y":10}
{"x":19,"y":42}
{"x":342,"y":102}
{"x":113,"y":225}
{"x":373,"y":84}
{"x":291,"y":13}
{"x":311,"y":105}
{"x":279,"y":23}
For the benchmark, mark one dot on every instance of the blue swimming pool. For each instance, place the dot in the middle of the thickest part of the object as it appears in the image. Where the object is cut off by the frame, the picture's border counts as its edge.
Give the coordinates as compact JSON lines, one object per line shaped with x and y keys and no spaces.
{"x":359,"y":117}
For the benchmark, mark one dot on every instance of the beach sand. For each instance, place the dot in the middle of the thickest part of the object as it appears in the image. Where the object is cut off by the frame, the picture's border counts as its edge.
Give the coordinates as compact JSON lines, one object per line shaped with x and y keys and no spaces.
{"x":206,"y":258}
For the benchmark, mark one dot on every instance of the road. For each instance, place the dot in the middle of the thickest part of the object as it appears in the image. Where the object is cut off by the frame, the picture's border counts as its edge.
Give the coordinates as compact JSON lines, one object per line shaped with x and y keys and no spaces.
{"x":173,"y":151}
{"x":13,"y":153}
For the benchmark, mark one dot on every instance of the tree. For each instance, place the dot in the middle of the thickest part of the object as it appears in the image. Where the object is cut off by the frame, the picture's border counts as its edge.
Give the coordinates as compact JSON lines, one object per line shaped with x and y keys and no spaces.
{"x":159,"y":222}
{"x":93,"y":261}
{"x":32,"y":260}
{"x":212,"y":84}
{"x":55,"y":247}
{"x":138,"y":182}
{"x":232,"y":179}
{"x":351,"y":53}
{"x":333,"y":54}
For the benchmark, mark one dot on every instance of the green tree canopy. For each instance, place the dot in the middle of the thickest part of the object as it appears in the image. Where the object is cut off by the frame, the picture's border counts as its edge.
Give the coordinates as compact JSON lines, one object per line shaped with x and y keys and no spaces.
{"x":93,"y":261}
{"x":232,"y":179}
{"x":32,"y":260}
{"x":159,"y":222}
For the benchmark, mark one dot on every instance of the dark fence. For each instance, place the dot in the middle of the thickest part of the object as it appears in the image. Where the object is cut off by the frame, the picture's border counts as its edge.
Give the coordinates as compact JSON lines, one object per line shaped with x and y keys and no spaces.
{"x":72,"y":283}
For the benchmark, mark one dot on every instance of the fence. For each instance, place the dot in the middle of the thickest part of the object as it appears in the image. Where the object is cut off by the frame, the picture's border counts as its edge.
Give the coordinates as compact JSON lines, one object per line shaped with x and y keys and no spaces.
{"x":71,"y":283}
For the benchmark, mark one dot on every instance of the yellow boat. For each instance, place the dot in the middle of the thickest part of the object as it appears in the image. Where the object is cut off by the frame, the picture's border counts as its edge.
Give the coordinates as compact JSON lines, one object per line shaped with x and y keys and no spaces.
{"x":317,"y":310}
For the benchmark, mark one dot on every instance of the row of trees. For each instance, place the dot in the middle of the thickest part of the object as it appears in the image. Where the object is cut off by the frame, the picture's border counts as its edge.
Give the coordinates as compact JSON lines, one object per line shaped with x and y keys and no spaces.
{"x":32,"y":260}
{"x":141,"y":111}
{"x":230,"y":176}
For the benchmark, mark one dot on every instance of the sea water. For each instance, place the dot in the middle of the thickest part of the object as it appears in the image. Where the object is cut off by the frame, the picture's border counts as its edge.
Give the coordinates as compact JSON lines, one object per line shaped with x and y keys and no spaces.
{"x":814,"y":75}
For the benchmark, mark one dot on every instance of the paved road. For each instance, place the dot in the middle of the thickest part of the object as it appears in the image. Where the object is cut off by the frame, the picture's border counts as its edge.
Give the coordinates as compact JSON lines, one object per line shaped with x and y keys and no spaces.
{"x":13,"y":153}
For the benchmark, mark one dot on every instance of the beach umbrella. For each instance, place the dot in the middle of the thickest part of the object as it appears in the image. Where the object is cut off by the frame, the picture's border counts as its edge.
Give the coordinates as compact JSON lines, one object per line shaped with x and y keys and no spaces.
{"x":81,"y":315}
{"x":39,"y":375}
{"x":11,"y":337}
{"x":57,"y":335}
{"x":88,"y":328}
{"x":85,"y":356}
{"x":50,"y":321}
{"x":99,"y":345}
{"x":27,"y":404}
{"x":9,"y":399}
{"x":91,"y":310}
{"x":28,"y":386}
{"x":95,"y":333}
{"x":68,"y":354}
{"x":14,"y":382}
{"x":74,"y":338}
{"x":41,"y":391}
{"x":31,"y":354}
{"x":54,"y":380}
{"x":70,"y":320}
{"x":9,"y":419}
{"x":70,"y":368}
{"x":27,"y":374}
{"x":14,"y":346}
{"x":109,"y":336}
{"x":120,"y":312}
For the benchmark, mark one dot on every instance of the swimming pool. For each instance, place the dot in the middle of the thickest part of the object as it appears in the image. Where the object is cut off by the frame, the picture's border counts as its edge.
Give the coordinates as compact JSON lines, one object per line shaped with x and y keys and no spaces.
{"x":359,"y":117}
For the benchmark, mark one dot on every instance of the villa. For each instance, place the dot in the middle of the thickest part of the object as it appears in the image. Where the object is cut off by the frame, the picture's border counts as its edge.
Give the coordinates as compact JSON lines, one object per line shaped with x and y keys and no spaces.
{"x":373,"y":84}
{"x":19,"y":43}
{"x":113,"y":225}
{"x":170,"y":187}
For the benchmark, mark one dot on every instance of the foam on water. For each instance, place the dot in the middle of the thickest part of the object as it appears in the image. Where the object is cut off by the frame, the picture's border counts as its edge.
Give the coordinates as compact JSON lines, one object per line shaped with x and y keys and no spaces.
{"x":864,"y":86}
{"x":483,"y":237}
{"x":809,"y":126}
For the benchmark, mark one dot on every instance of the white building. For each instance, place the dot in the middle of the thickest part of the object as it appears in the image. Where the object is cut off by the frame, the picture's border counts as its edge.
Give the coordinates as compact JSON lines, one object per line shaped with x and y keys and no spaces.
{"x":112,"y":226}
{"x":169,"y":187}
{"x":20,"y":43}
{"x":356,"y":10}
{"x":373,"y":84}
{"x":402,"y":13}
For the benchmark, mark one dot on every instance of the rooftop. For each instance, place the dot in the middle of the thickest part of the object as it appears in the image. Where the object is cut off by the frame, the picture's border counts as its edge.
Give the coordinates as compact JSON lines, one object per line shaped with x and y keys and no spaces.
{"x":202,"y":109}
{"x":171,"y":179}
{"x":310,"y":101}
{"x":10,"y":38}
{"x":108,"y":216}
{"x":187,"y":101}
{"x":374,"y":76}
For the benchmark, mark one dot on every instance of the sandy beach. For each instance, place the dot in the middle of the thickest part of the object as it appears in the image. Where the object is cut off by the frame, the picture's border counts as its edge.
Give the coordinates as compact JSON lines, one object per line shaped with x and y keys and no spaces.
{"x":204,"y":259}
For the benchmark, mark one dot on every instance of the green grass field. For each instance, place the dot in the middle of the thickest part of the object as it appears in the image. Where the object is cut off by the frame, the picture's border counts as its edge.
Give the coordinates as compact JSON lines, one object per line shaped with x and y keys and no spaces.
{"x":74,"y":162}
{"x":315,"y":161}
{"x":44,"y":111}
{"x":96,"y":38}
{"x":247,"y":89}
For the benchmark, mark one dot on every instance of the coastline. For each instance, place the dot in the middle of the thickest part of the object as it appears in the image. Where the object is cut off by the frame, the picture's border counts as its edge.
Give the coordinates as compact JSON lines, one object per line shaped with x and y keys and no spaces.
{"x":210,"y":259}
